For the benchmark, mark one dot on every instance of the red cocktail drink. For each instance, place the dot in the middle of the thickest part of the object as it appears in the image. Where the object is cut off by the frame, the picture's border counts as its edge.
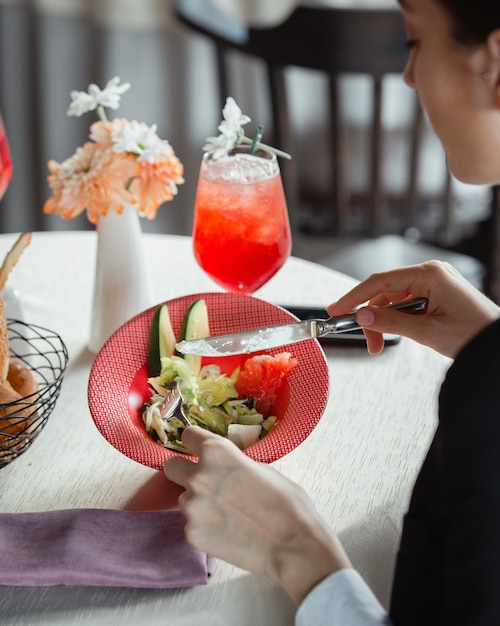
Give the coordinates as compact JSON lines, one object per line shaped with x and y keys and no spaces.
{"x":241,"y":229}
{"x":5,"y":161}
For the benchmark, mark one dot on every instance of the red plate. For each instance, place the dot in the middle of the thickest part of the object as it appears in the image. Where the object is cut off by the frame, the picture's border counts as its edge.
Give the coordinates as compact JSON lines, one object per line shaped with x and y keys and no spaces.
{"x":118,"y":383}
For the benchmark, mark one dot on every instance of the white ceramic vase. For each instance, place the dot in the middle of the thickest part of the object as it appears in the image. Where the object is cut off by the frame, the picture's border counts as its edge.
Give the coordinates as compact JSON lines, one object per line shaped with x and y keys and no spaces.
{"x":121,"y":288}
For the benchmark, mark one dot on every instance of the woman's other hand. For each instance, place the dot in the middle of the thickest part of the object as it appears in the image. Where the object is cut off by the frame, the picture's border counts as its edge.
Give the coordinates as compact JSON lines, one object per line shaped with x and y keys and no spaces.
{"x":250,"y":515}
{"x":456,"y":310}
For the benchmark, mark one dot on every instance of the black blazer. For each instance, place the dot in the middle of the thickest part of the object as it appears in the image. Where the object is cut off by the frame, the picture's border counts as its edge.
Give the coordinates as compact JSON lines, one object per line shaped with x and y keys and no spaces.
{"x":448,"y":566}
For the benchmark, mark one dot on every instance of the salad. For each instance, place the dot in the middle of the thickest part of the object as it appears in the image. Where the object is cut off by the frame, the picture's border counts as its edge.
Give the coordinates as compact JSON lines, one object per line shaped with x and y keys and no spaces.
{"x":238,"y":406}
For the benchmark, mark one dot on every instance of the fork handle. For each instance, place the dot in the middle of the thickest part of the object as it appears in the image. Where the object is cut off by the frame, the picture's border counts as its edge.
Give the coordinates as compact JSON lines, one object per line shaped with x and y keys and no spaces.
{"x":345,"y":323}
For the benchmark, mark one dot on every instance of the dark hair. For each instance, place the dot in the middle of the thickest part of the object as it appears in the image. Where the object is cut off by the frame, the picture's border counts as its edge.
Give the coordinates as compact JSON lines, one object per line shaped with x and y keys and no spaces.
{"x":474,"y":19}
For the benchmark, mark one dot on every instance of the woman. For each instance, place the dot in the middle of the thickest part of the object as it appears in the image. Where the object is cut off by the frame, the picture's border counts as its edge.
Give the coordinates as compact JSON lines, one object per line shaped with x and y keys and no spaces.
{"x":447,"y":570}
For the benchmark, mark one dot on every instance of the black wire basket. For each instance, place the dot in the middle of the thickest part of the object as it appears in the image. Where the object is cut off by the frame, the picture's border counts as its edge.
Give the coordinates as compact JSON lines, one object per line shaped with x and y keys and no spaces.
{"x":44,"y":353}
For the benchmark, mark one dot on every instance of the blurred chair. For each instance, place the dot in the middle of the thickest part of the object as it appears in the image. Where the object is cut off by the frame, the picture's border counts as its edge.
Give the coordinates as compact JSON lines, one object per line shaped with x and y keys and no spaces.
{"x":336,"y":42}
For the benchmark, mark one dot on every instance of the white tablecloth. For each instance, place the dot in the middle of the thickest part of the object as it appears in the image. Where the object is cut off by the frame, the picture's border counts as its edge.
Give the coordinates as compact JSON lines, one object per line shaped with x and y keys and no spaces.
{"x":358,"y":465}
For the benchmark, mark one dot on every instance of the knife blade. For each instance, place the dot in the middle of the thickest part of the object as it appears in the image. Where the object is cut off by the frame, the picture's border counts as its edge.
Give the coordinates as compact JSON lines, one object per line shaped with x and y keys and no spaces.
{"x":278,"y":335}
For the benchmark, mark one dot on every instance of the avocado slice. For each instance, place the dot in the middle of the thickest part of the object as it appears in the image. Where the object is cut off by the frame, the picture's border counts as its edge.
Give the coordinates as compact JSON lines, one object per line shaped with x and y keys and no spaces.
{"x":161,"y":340}
{"x":195,"y":326}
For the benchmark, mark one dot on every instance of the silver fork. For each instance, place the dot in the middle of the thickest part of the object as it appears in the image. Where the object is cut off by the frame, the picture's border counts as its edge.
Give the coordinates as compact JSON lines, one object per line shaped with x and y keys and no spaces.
{"x":172,"y":406}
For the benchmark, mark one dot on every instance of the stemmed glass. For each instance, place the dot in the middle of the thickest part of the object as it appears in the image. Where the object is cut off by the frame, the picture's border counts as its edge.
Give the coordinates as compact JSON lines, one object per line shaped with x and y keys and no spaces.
{"x":241,"y":231}
{"x":5,"y":161}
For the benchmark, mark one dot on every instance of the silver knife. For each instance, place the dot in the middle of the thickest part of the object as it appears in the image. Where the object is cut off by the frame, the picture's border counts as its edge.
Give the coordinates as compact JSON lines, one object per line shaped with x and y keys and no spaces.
{"x":274,"y":336}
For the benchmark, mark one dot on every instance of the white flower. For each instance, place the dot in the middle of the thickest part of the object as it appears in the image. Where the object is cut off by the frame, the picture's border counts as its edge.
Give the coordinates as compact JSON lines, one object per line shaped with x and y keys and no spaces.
{"x":234,"y":119}
{"x":110,"y":96}
{"x":232,"y":134}
{"x":219,"y":146}
{"x":140,"y":139}
{"x":160,"y":148}
{"x":231,"y":131}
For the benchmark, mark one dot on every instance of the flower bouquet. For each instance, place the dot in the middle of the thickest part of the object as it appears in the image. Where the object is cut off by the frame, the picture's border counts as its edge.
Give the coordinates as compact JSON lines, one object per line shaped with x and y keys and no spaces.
{"x":124,"y":163}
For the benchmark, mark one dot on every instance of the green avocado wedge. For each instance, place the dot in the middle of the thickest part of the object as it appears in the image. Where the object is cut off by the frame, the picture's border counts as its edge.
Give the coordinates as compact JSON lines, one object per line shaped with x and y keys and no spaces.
{"x":195,"y":326}
{"x":161,"y":340}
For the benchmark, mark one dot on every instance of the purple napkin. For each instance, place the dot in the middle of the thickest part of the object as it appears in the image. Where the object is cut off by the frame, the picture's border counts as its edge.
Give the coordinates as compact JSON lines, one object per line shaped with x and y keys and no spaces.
{"x":99,"y":547}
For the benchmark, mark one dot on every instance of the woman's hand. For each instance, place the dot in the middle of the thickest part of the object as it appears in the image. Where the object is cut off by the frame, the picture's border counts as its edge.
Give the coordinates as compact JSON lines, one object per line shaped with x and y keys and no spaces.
{"x":456,"y":310}
{"x":250,"y":515}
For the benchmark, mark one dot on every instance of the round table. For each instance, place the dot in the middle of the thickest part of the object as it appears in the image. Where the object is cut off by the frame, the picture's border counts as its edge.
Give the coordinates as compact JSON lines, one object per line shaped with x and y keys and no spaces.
{"x":358,"y":465}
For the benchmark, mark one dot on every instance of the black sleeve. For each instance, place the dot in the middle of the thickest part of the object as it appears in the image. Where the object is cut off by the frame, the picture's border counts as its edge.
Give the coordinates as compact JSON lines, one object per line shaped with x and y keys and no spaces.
{"x":448,"y":566}
{"x":470,"y":470}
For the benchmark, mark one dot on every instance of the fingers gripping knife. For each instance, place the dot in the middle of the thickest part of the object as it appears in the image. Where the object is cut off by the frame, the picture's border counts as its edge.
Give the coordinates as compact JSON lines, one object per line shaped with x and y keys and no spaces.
{"x":280,"y":335}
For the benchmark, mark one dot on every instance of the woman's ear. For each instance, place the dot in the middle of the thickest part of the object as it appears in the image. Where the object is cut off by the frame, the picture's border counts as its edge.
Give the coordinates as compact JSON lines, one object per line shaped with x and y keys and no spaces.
{"x":493,"y":72}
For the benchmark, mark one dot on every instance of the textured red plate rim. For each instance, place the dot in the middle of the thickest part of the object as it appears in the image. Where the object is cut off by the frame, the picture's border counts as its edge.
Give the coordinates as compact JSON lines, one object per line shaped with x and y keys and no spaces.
{"x":118,"y":386}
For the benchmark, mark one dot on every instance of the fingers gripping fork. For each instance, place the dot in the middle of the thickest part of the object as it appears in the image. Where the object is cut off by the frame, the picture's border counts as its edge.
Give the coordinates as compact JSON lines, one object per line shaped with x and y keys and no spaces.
{"x":172,"y":406}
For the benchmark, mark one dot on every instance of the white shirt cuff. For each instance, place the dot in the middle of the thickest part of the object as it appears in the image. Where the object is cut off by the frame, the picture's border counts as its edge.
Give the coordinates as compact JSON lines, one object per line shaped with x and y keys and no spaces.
{"x":341,"y":598}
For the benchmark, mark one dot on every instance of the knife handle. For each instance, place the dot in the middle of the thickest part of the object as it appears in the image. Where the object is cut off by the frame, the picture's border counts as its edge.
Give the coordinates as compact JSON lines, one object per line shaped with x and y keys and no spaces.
{"x":344,"y":323}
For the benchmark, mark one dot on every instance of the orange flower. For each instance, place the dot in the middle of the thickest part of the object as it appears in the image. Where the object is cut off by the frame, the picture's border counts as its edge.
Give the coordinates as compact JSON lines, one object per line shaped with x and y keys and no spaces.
{"x":156,"y":183}
{"x":92,"y":179}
